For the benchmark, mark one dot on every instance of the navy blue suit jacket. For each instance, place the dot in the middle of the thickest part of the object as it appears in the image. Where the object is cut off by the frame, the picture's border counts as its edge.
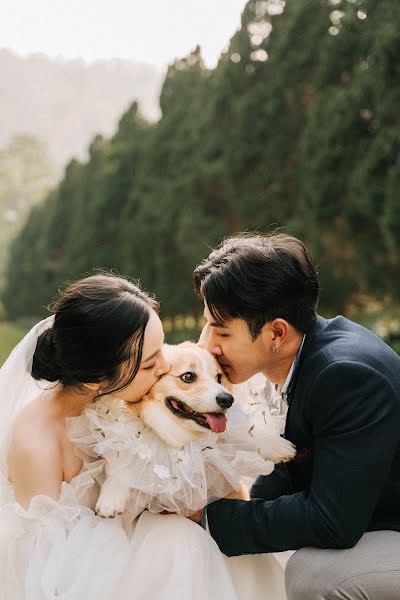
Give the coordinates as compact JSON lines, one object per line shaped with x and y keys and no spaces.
{"x":344,"y":418}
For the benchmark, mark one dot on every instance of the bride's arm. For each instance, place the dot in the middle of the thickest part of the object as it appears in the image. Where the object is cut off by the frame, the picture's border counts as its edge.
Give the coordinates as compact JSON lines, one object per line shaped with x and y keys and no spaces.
{"x":35,"y":466}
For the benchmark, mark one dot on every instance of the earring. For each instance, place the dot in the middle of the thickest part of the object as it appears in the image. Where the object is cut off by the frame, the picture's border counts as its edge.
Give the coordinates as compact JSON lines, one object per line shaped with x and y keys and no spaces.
{"x":275,"y":350}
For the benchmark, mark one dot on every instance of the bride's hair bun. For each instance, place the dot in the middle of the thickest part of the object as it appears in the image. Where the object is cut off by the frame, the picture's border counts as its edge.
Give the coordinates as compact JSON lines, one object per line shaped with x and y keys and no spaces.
{"x":44,"y":364}
{"x":97,"y":335}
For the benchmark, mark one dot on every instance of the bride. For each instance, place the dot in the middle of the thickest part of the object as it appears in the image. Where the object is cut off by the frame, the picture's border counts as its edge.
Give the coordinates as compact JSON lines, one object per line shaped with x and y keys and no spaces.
{"x":105,"y":337}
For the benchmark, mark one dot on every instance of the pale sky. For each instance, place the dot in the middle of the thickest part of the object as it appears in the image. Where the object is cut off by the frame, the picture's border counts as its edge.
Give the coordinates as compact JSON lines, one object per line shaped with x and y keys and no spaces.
{"x":152,"y":31}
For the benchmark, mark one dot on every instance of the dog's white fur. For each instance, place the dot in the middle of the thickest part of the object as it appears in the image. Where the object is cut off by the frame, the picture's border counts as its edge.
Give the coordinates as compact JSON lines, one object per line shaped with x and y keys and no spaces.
{"x":200,"y":396}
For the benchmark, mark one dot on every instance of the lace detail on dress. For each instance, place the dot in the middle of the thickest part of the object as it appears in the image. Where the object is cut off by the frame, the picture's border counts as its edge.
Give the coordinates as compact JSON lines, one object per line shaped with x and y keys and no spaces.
{"x":182,"y":480}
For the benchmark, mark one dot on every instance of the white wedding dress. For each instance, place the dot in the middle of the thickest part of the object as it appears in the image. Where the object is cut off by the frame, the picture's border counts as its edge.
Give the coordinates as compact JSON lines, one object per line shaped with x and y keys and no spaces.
{"x":62,"y":550}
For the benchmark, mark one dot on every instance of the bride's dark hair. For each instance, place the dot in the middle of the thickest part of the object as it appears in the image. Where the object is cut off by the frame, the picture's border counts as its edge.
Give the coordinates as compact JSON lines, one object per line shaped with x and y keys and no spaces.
{"x":99,"y":324}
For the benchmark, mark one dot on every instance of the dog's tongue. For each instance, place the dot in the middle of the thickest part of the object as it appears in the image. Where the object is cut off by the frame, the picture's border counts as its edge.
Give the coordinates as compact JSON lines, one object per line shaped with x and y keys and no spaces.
{"x":216,"y":421}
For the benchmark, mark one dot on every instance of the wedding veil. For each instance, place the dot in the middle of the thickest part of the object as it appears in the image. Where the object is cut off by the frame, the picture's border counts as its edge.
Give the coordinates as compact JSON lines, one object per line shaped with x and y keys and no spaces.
{"x":17,"y":386}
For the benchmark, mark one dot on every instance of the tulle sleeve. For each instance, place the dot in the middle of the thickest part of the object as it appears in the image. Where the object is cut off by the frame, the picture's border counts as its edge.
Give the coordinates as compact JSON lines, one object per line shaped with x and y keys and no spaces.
{"x":57,"y":549}
{"x":162,"y":477}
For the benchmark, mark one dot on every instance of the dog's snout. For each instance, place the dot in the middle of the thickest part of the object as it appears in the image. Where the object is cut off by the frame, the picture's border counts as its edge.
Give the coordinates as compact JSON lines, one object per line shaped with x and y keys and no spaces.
{"x":224,"y":400}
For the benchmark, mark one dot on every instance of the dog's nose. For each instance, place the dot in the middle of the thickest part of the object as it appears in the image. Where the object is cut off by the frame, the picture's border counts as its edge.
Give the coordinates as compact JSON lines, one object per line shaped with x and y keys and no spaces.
{"x":224,"y":400}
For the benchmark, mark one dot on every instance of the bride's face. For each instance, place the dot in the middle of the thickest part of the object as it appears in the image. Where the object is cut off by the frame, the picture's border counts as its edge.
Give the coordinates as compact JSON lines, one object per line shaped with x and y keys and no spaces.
{"x":153,"y":363}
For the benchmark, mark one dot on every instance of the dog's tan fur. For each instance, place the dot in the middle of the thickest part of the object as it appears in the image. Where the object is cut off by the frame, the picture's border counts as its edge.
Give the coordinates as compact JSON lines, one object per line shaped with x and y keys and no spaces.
{"x":200,"y":396}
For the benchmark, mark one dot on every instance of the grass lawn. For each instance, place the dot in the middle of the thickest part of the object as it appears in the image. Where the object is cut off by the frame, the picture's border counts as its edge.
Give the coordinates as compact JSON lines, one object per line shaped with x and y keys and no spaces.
{"x":10,"y":335}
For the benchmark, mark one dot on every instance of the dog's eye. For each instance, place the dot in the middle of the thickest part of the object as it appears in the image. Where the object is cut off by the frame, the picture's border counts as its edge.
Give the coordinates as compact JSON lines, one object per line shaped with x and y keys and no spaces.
{"x":219,"y":378}
{"x":188,"y":377}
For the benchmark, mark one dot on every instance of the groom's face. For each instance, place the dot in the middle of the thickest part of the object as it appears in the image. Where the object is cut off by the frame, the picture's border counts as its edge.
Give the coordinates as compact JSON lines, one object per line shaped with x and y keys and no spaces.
{"x":239,"y":355}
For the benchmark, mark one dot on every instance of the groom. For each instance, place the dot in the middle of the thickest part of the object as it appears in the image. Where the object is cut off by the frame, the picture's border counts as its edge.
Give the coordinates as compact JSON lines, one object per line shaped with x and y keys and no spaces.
{"x":338,"y":501}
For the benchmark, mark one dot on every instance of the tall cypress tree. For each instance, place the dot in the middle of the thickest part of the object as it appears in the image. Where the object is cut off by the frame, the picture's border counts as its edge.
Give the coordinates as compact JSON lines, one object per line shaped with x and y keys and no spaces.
{"x":297,"y":127}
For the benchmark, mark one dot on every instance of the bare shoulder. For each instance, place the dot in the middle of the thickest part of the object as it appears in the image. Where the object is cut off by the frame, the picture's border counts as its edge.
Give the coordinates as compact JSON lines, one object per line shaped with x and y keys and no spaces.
{"x":34,"y":435}
{"x":35,"y":457}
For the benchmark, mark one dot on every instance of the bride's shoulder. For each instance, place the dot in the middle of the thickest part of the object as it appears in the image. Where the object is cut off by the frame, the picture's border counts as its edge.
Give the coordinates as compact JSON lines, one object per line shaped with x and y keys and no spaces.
{"x":35,"y":422}
{"x":35,"y":455}
{"x":35,"y":426}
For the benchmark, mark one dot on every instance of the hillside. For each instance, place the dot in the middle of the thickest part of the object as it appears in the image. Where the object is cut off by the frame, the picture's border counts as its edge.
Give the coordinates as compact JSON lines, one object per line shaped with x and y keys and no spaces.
{"x":64,"y":103}
{"x":297,"y":128}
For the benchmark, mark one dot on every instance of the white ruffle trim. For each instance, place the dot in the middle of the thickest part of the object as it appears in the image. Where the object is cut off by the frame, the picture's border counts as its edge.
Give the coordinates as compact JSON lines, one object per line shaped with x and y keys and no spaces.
{"x":161,"y":477}
{"x":58,"y":549}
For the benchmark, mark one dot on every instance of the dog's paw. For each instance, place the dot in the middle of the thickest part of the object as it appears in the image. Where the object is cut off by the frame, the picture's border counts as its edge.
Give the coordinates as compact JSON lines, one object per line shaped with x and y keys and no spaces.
{"x":107,"y":511}
{"x":112,"y":500}
{"x":285,"y":452}
{"x":278,"y":449}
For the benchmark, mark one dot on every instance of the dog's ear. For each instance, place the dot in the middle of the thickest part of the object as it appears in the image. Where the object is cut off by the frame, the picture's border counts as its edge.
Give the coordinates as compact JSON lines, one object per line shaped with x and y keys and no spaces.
{"x":204,"y":335}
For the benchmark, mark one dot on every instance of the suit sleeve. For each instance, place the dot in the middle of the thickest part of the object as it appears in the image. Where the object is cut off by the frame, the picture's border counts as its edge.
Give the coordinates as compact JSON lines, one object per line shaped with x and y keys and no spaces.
{"x":274,"y":485}
{"x":355,"y":418}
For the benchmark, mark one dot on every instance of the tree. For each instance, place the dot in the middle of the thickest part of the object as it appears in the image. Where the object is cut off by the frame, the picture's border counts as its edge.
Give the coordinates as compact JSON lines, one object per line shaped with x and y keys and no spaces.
{"x":26,"y":176}
{"x":296,"y":128}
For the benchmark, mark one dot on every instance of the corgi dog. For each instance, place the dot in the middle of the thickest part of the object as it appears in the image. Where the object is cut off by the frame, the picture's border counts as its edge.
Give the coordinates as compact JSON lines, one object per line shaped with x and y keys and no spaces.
{"x":189,"y":402}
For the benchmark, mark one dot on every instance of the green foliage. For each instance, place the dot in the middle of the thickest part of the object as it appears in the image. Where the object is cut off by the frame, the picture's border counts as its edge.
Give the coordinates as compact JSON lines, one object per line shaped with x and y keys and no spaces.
{"x":26,"y":176}
{"x":296,"y":128}
{"x":10,"y":335}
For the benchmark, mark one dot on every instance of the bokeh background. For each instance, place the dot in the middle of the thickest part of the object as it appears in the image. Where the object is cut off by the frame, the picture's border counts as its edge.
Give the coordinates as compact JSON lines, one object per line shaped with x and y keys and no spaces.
{"x":136,"y":141}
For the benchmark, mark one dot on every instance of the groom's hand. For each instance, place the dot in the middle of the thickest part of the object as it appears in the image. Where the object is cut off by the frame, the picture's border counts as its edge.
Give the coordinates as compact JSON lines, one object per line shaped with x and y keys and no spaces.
{"x":196,"y":517}
{"x":242,"y":494}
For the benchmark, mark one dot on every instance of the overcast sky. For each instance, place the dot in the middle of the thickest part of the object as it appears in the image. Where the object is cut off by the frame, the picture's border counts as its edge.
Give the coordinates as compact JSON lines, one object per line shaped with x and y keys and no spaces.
{"x":153,"y":31}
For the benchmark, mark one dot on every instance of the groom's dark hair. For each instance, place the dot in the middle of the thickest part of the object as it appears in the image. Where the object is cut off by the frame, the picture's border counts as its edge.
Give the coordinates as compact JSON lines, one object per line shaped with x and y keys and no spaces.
{"x":259,"y":278}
